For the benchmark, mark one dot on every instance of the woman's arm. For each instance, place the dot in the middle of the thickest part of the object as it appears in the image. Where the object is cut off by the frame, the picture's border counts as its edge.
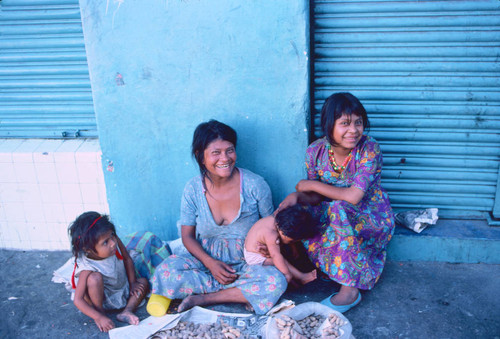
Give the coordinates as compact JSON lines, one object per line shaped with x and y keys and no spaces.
{"x":102,"y":321}
{"x":304,"y":198}
{"x":351,"y":194}
{"x":222,"y":272}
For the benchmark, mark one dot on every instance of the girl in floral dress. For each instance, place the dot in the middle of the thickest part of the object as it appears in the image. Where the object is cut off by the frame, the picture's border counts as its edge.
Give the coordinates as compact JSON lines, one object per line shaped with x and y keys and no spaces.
{"x":343,"y":185}
{"x":218,"y":208}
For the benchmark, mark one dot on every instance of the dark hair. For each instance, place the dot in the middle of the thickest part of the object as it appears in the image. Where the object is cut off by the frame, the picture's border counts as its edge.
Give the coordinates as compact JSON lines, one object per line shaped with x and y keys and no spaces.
{"x":337,"y":105}
{"x":297,"y":223}
{"x":207,"y":132}
{"x":83,"y":236}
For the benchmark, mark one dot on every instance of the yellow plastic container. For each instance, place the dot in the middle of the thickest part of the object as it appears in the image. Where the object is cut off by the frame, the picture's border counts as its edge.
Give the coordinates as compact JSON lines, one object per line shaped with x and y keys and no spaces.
{"x":158,"y":305}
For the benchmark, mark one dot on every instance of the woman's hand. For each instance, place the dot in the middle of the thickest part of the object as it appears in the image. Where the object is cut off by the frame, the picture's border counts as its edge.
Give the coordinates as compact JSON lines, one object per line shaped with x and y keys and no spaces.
{"x":290,"y":200}
{"x":305,"y":185}
{"x":222,"y":272}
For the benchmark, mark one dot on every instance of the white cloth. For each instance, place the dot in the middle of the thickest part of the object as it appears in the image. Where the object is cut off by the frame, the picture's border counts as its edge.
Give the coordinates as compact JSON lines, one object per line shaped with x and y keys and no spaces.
{"x":253,"y":258}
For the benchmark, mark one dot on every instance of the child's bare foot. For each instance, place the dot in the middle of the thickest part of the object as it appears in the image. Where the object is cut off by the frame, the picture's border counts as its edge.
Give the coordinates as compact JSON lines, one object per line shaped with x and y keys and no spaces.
{"x":128,"y":317}
{"x":104,"y":323}
{"x":190,"y":302}
{"x":308,"y":277}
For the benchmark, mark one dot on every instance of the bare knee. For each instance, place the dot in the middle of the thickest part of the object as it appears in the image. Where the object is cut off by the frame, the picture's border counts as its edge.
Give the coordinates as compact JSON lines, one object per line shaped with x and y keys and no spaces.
{"x":95,"y":280}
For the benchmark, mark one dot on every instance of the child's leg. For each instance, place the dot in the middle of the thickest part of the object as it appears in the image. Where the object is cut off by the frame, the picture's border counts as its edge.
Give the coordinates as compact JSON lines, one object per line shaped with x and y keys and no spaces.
{"x":95,"y":297}
{"x":302,"y":277}
{"x":95,"y":291}
{"x":127,"y":315}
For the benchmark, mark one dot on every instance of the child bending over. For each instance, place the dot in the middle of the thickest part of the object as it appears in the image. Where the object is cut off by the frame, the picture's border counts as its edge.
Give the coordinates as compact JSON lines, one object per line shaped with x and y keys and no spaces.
{"x":289,"y":225}
{"x":104,"y":271}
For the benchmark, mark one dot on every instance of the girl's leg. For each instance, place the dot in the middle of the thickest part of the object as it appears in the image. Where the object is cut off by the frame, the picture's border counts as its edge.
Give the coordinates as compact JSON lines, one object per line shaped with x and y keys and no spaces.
{"x":127,"y":315}
{"x":95,"y":290}
{"x":95,"y":294}
{"x":231,"y":295}
{"x":346,"y":296}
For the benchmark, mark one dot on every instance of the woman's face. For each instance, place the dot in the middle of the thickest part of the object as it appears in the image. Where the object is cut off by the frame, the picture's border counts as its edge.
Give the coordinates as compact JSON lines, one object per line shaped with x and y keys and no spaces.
{"x":347,"y":131}
{"x":220,"y":158}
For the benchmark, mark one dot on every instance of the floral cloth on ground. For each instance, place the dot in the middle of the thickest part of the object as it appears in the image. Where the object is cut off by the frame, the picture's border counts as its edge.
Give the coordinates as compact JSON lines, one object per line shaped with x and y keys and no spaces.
{"x":180,"y":276}
{"x":352,"y":248}
{"x":116,"y":287}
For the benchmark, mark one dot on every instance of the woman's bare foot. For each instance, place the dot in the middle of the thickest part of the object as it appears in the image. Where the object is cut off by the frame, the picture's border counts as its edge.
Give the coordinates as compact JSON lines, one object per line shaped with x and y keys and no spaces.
{"x":308,"y":277}
{"x":128,"y":317}
{"x":190,"y":302}
{"x":346,"y":296}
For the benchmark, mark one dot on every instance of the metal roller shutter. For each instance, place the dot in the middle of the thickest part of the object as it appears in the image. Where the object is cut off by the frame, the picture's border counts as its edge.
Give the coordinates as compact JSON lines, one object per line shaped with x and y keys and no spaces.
{"x":44,"y":79}
{"x":428,"y":73}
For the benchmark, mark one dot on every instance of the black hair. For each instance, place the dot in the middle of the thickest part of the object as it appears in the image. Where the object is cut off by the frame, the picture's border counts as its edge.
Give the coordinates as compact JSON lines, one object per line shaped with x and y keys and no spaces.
{"x":297,"y":222}
{"x":337,"y":105}
{"x":86,"y":230}
{"x":206,"y":133}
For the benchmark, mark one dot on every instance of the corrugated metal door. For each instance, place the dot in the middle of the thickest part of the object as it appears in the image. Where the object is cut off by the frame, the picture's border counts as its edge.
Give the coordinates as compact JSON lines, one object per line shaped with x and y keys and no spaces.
{"x":44,"y":78}
{"x":428,"y":73}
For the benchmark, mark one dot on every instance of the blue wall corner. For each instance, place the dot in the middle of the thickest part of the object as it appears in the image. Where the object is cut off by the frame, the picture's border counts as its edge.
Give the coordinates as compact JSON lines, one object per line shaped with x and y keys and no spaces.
{"x":159,"y":68}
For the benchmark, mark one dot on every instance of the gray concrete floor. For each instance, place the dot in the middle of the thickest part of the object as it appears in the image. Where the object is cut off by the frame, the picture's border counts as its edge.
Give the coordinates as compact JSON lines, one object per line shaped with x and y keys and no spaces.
{"x":411,"y":300}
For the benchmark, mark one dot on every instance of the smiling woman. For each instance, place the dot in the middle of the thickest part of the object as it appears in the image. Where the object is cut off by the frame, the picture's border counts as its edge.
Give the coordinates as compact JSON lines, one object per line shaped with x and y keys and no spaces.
{"x":218,"y":208}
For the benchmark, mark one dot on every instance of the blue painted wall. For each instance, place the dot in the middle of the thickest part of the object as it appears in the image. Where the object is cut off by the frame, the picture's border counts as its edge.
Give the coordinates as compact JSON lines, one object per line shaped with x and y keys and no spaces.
{"x":158,"y":68}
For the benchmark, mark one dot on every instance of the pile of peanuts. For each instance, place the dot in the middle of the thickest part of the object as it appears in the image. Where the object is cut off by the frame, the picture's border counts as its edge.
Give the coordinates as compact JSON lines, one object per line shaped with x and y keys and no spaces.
{"x":189,"y":330}
{"x":309,"y":326}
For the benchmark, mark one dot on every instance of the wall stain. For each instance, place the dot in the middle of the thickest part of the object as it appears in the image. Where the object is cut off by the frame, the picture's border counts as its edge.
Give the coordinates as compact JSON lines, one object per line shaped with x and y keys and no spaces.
{"x":119,"y":79}
{"x":110,"y":167}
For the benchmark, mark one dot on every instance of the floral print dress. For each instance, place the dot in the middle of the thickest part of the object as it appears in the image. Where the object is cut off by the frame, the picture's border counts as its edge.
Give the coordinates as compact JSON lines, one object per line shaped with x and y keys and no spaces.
{"x":352,"y":248}
{"x":179,"y":276}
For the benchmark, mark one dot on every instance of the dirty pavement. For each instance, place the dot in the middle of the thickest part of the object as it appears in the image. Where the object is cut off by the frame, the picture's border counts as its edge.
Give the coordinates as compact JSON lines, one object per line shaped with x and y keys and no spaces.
{"x":411,"y":300}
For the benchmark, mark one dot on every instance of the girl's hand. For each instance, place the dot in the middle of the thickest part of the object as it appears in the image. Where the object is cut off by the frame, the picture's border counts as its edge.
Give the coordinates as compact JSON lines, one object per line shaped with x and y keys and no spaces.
{"x":222,"y":272}
{"x":304,"y":186}
{"x":137,"y":289}
{"x":104,"y":323}
{"x":290,"y":200}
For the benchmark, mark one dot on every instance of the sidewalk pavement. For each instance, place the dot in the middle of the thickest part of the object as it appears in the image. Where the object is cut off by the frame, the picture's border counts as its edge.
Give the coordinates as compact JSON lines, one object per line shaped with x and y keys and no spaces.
{"x":411,"y":300}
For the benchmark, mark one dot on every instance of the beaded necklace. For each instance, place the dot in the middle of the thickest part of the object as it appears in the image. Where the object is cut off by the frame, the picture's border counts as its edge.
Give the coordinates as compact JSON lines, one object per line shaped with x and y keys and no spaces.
{"x":331,"y":156}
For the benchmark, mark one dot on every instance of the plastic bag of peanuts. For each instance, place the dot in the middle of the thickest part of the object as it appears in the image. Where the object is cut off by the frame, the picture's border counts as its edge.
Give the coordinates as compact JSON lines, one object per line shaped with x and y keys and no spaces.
{"x":306,"y":321}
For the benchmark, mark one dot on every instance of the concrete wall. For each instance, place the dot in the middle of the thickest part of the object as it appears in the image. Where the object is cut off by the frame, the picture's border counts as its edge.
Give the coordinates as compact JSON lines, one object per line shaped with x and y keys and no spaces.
{"x":158,"y":68}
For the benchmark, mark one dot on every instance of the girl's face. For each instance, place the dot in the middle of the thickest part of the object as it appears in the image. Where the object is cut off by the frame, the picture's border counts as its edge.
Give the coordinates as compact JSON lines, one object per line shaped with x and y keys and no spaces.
{"x":220,"y":158}
{"x":105,"y":246}
{"x":347,"y":131}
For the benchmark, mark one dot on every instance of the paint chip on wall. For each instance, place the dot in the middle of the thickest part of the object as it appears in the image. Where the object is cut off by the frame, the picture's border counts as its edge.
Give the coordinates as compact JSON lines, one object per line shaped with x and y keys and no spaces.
{"x":119,"y":79}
